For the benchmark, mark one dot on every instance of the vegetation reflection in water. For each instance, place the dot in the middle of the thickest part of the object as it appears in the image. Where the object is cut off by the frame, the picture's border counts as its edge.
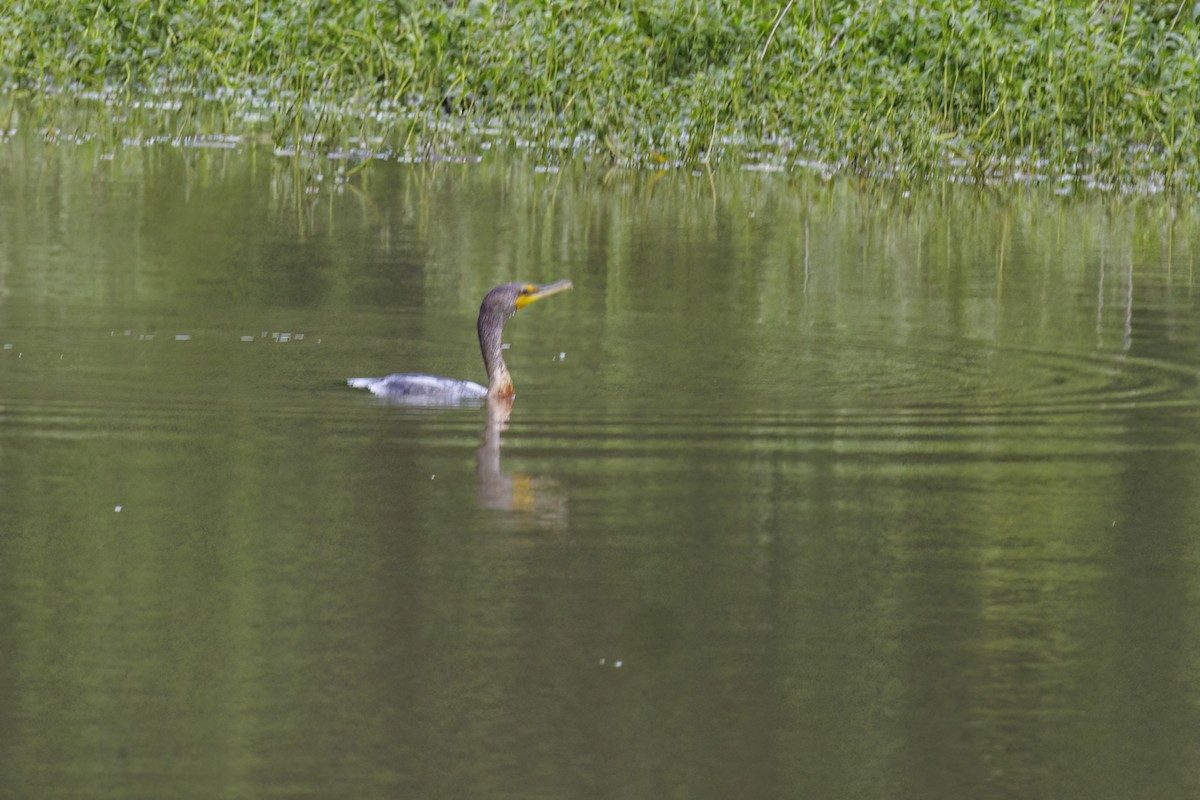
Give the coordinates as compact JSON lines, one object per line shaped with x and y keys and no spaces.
{"x":870,"y":493}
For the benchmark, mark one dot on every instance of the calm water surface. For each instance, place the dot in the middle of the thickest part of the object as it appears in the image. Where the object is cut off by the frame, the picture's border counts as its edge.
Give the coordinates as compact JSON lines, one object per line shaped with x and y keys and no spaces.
{"x":806,"y":492}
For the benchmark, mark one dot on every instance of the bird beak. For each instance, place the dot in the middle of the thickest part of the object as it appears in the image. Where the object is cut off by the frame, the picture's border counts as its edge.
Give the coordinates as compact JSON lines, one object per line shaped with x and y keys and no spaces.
{"x":536,"y":292}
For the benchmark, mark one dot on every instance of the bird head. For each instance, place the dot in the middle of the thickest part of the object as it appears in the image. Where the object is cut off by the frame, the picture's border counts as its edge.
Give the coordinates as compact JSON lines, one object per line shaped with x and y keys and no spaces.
{"x":510,"y":298}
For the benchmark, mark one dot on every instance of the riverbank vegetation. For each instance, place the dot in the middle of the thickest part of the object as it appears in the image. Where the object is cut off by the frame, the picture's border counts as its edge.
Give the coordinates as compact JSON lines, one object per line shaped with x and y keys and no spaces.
{"x":1093,"y":93}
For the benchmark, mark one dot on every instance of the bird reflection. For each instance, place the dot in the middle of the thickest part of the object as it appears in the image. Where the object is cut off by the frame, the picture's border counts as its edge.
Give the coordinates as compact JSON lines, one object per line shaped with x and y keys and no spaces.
{"x":538,"y":499}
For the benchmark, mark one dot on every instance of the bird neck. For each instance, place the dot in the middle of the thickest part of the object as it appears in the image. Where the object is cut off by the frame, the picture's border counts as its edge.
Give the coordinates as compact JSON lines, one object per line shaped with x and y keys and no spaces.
{"x":491,"y":330}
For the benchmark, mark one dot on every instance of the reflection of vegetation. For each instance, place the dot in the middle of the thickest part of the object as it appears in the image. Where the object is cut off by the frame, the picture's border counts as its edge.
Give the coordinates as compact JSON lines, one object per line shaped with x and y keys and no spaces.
{"x":448,"y":233}
{"x":890,"y":87}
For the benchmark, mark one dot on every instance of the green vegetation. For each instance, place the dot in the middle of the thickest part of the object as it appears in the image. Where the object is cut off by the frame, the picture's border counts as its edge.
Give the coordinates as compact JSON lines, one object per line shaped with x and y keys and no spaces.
{"x":1101,"y":91}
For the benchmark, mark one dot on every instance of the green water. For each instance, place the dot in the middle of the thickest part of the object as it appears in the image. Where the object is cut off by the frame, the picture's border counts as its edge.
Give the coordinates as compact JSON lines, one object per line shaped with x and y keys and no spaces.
{"x":807,"y":491}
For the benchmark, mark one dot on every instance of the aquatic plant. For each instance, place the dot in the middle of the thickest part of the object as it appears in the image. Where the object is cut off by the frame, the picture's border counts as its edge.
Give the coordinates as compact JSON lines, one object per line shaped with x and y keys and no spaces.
{"x":1071,"y":91}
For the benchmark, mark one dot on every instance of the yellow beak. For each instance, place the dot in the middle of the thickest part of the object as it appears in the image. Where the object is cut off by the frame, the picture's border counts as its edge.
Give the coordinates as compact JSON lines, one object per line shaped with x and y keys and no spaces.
{"x":535,"y":291}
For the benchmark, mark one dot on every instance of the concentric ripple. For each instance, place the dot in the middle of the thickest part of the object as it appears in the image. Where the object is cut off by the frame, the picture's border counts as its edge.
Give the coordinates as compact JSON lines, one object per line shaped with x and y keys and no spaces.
{"x":1008,"y":382}
{"x":865,"y":402}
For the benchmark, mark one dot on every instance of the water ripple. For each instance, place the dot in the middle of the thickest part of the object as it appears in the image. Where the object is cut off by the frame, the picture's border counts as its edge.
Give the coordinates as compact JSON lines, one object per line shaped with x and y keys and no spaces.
{"x":1003,"y":382}
{"x":974,"y":403}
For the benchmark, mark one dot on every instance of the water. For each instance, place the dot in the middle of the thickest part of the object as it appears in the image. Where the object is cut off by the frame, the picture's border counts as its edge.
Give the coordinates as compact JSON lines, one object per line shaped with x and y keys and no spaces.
{"x":807,"y":491}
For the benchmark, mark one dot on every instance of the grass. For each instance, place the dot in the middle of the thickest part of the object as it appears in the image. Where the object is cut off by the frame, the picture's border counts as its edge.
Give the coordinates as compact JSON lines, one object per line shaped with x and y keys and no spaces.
{"x":1100,"y":92}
